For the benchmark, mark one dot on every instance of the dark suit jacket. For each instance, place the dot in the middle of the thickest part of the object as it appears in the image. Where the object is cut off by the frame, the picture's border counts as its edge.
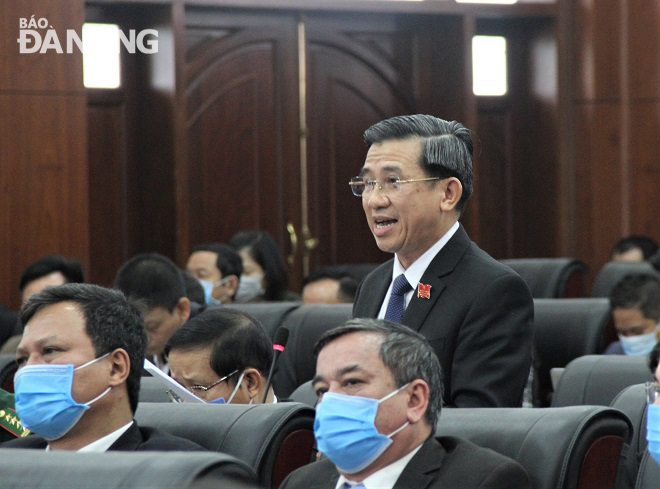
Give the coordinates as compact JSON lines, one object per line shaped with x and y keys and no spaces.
{"x":134,"y":439}
{"x":444,"y":462}
{"x":478,"y":319}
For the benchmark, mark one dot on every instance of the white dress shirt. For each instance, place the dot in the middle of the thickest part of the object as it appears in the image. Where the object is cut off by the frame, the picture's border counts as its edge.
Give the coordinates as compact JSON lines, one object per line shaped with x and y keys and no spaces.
{"x":416,"y":270}
{"x":384,"y":478}
{"x":102,"y":444}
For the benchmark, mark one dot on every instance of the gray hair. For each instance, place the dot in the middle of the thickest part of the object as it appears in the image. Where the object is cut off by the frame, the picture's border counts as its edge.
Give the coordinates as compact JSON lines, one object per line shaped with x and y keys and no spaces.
{"x":446,"y":146}
{"x":407,"y":354}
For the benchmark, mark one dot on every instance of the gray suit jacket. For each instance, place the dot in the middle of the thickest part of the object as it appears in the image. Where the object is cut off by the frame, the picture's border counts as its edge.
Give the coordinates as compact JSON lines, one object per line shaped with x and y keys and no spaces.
{"x":478,"y":319}
{"x":444,"y":463}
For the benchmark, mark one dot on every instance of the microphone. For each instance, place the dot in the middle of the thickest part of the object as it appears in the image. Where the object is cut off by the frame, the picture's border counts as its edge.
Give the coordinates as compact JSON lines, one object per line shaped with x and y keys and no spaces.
{"x":279,"y":342}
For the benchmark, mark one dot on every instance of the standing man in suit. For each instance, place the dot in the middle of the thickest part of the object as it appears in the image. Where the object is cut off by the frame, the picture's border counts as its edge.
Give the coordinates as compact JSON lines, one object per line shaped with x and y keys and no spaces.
{"x":476,"y":313}
{"x":380,"y":385}
{"x":80,"y":361}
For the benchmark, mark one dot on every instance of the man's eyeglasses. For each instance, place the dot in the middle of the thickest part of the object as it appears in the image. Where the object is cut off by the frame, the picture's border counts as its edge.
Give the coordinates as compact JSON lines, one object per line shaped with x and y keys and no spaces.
{"x":365,"y":185}
{"x":201,"y":390}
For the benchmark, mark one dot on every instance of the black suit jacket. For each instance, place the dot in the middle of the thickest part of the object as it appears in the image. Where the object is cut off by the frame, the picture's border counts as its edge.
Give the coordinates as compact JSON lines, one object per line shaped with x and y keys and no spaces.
{"x":134,"y":439}
{"x":444,"y":462}
{"x":478,"y":319}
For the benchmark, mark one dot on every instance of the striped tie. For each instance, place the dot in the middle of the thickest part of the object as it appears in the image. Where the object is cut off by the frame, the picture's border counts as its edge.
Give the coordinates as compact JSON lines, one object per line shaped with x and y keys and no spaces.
{"x":396,"y":306}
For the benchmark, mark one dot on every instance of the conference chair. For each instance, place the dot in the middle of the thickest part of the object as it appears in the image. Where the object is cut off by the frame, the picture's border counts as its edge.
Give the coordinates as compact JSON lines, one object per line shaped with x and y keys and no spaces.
{"x":613,"y":272}
{"x":37,"y":469}
{"x":549,"y":278}
{"x":574,"y":447}
{"x":649,"y":474}
{"x":273,"y":439}
{"x":306,"y":324}
{"x":565,"y":329}
{"x":305,"y":393}
{"x":598,"y":379}
{"x":632,"y":402}
{"x":270,"y":314}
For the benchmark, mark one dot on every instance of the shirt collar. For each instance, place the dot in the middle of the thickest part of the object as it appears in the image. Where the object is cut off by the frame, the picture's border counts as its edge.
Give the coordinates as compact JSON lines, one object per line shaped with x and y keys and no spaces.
{"x":415,"y":271}
{"x":102,"y":444}
{"x":384,"y":478}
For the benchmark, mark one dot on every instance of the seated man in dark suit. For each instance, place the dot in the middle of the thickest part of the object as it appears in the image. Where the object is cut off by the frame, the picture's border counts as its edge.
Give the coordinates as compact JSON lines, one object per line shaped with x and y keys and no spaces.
{"x":81,"y":358}
{"x":222,"y":356}
{"x":476,"y":313}
{"x":380,"y":385}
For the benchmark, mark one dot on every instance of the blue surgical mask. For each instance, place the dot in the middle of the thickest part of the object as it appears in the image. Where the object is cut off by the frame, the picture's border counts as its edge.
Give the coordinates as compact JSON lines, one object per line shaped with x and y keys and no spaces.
{"x":346,"y":433}
{"x":221,"y":400}
{"x":249,"y":288}
{"x":43,"y":398}
{"x":653,"y":431}
{"x":638,"y":345}
{"x":208,"y":287}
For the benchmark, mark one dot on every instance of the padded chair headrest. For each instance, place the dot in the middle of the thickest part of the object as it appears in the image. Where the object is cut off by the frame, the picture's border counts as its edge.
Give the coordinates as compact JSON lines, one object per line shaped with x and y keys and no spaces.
{"x":269,"y":314}
{"x":550,"y":443}
{"x":632,"y":402}
{"x":597,"y":379}
{"x":649,"y":473}
{"x":613,"y":272}
{"x":306,"y":324}
{"x":26,"y":469}
{"x":252,"y":433}
{"x":546,"y":277}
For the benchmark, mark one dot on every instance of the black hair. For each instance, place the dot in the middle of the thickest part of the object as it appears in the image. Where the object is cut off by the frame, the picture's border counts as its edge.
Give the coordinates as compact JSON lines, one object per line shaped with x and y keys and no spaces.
{"x":111,"y":321}
{"x":407,"y":354}
{"x":237,"y":340}
{"x":647,"y":245}
{"x":228,"y":262}
{"x":70,"y":268}
{"x":262,"y":248}
{"x":348,"y":283}
{"x":446,"y":146}
{"x":638,"y":291}
{"x":194,"y":290}
{"x":152,"y":279}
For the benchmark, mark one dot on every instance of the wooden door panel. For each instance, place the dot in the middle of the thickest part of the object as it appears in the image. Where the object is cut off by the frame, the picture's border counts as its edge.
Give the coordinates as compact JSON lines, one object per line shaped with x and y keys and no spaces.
{"x":358,"y":73}
{"x":242,"y":125}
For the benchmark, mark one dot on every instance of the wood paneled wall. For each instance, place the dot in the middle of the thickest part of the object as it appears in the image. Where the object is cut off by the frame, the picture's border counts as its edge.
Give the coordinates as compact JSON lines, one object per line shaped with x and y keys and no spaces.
{"x":43,"y":145}
{"x":614,"y":69}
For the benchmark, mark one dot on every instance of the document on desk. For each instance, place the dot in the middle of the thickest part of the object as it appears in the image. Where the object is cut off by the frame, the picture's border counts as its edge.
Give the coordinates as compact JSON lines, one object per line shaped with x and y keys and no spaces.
{"x":176,"y":391}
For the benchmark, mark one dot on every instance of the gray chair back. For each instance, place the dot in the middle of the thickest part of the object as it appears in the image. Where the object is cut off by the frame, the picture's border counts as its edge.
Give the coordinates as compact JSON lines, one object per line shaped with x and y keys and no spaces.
{"x":598,"y":379}
{"x":270,"y":314}
{"x":273,"y":439}
{"x":649,"y":474}
{"x":306,"y":324}
{"x":36,"y":469}
{"x":632,"y":402}
{"x":575,"y":447}
{"x":549,"y":278}
{"x":565,"y":329}
{"x":613,"y":272}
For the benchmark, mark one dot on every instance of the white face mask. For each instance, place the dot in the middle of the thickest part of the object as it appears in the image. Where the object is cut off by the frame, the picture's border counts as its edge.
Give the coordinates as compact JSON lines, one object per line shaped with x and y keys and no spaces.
{"x":249,"y":288}
{"x":638,"y":345}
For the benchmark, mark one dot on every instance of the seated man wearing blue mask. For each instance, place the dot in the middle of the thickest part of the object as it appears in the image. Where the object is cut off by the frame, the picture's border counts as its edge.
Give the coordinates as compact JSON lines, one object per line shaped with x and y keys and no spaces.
{"x":223,"y":356}
{"x":80,"y":359}
{"x":380,"y":389}
{"x":218,"y":268}
{"x":635,"y":303}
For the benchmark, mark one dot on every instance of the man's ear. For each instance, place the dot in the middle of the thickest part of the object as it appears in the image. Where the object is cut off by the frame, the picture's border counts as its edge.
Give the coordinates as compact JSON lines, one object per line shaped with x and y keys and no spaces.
{"x":120,"y":367}
{"x":183,"y":309}
{"x":254,"y":381}
{"x":232,"y":285}
{"x":452,"y":194}
{"x":419,"y":400}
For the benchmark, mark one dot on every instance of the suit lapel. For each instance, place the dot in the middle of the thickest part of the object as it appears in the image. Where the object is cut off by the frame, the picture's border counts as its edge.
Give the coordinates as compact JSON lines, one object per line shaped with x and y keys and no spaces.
{"x":129,"y":440}
{"x":442,"y":264}
{"x":373,"y":292}
{"x":421,"y":470}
